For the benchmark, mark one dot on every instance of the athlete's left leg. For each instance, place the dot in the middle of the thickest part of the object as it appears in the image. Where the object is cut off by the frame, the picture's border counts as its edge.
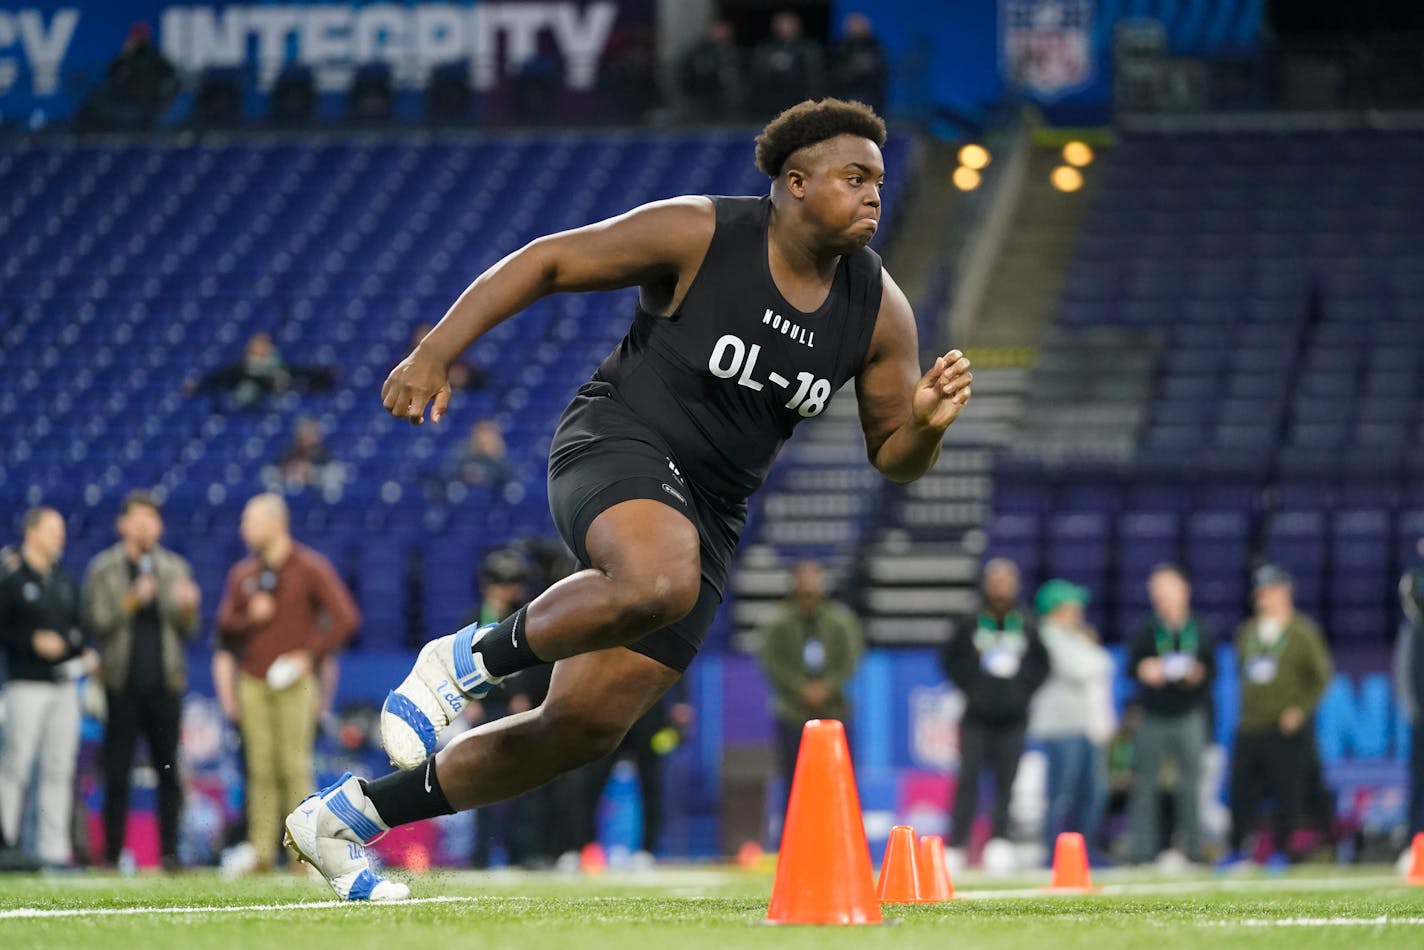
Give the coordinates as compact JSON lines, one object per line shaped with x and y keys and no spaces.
{"x":593,"y":700}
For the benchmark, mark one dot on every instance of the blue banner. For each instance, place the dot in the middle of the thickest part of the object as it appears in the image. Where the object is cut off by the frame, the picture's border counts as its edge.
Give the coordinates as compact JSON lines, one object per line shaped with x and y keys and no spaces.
{"x":53,"y":54}
{"x":965,"y":56}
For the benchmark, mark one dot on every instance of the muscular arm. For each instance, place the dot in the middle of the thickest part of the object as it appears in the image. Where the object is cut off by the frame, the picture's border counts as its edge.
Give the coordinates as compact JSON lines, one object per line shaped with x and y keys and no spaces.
{"x":655,"y":246}
{"x":903,"y":414}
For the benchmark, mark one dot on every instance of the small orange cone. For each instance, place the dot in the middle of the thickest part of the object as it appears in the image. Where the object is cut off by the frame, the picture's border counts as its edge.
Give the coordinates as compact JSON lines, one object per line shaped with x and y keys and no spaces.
{"x":592,"y":859}
{"x":1070,"y":864}
{"x":899,"y":872}
{"x":935,"y":885}
{"x":1416,"y":871}
{"x":823,"y":873}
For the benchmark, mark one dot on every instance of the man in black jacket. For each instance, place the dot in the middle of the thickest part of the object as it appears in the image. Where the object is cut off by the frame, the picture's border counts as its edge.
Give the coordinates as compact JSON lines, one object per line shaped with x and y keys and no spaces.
{"x":41,"y":630}
{"x":997,"y":659}
{"x":1173,"y":661}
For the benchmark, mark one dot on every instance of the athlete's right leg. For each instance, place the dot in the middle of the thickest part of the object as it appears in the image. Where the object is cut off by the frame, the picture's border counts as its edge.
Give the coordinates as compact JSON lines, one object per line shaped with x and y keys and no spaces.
{"x":646,"y":575}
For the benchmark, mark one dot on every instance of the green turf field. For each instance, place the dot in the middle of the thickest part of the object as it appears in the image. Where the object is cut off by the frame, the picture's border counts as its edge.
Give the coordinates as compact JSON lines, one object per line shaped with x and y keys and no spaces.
{"x":672,"y":909}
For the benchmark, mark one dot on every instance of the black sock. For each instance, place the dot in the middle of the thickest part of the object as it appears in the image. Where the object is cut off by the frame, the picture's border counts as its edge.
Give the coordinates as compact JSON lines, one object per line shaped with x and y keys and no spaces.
{"x":403,"y":797}
{"x":505,"y":649}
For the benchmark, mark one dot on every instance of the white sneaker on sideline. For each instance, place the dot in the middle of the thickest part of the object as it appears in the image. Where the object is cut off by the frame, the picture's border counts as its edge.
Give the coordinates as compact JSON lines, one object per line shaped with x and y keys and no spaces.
{"x":955,"y":860}
{"x":447,"y":675}
{"x":329,"y":831}
{"x":1173,"y":861}
{"x":999,"y":857}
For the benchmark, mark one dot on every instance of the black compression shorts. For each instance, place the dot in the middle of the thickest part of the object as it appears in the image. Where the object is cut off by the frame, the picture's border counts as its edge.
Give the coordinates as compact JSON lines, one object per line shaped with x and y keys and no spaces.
{"x":603,"y":455}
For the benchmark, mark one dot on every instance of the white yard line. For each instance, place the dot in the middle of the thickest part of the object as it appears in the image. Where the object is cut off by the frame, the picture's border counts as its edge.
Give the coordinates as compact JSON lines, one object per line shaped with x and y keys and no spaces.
{"x":19,"y":913}
{"x":1191,"y":887}
{"x":1109,"y":890}
{"x":1322,"y":922}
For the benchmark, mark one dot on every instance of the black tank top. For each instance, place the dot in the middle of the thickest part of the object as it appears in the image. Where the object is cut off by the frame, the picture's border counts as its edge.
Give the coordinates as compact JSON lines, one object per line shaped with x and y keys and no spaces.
{"x":726,"y":378}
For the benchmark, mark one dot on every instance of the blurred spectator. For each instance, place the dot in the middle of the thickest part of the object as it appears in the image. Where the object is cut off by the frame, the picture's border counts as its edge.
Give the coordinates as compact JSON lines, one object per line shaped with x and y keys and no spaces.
{"x":998,"y":661}
{"x":1173,"y":661}
{"x":482,"y":458}
{"x":138,"y":85}
{"x":283,"y":609}
{"x":306,"y":461}
{"x":628,"y":78}
{"x":41,"y":627}
{"x":9,"y":559}
{"x":142,"y":606}
{"x":1072,"y":715}
{"x":710,"y":74}
{"x":858,"y":64}
{"x":809,"y":650}
{"x":1409,"y":687}
{"x":260,"y":372}
{"x":464,"y":374}
{"x":1285,"y":667}
{"x":786,"y":67}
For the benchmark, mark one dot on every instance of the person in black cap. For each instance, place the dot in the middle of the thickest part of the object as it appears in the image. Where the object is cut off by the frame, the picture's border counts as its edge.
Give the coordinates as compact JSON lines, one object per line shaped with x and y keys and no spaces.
{"x":1284,"y":667}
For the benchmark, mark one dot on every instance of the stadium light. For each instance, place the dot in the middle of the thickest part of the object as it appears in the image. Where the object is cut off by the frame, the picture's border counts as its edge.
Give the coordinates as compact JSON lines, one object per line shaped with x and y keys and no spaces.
{"x":1066,"y":178}
{"x":974,"y":157}
{"x":966,"y":179}
{"x":1078,"y":154}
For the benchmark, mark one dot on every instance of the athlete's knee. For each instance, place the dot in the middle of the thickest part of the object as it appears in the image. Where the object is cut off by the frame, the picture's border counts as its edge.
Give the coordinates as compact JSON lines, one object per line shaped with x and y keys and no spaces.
{"x":652,"y":599}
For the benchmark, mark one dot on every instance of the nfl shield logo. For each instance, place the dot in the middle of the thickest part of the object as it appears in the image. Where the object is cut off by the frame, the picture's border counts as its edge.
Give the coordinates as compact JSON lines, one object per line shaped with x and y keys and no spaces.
{"x":1048,"y":45}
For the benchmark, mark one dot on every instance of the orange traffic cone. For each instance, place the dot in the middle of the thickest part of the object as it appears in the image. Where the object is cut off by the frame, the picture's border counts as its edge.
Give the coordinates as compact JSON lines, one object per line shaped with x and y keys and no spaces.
{"x":823,"y":873}
{"x":592,"y":859}
{"x":935,"y":884}
{"x":1070,"y":863}
{"x":900,"y":873}
{"x":1416,"y":871}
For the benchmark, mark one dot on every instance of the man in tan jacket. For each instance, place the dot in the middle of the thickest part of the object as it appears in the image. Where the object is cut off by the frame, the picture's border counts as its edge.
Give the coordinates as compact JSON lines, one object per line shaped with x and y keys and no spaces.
{"x":142,"y":605}
{"x":283,"y":611}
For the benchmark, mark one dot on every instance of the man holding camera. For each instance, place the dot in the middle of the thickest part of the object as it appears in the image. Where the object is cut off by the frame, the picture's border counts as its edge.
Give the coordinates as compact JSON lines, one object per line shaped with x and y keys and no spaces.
{"x":283,"y":609}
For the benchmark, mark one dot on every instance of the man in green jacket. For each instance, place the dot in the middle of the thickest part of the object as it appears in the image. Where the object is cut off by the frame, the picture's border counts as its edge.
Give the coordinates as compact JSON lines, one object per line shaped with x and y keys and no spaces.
{"x":142,"y":606}
{"x":1284,"y":666}
{"x":809,"y":650}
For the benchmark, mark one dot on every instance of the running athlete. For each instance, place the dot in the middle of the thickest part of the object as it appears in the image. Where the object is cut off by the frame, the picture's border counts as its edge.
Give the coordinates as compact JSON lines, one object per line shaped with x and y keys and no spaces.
{"x":751,"y":313}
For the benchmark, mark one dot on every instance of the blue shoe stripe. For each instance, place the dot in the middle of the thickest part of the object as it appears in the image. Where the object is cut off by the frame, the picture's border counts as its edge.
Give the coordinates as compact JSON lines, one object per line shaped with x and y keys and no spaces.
{"x":341,"y":807}
{"x":362,"y":887}
{"x":465,"y":652}
{"x":400,"y":706}
{"x":335,"y":785}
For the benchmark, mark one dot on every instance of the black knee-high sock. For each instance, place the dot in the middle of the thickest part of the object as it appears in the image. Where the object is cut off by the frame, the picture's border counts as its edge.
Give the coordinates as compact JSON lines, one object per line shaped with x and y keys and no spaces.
{"x":403,"y":797}
{"x":505,"y":649}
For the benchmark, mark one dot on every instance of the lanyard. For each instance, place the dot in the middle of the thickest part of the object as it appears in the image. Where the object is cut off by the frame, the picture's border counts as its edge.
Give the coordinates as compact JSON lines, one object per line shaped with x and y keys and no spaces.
{"x":1012,"y":626}
{"x":1255,"y":647}
{"x":1187,"y":638}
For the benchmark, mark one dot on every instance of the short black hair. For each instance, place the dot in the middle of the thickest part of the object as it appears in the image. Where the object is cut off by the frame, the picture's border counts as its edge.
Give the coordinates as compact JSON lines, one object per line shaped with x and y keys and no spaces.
{"x":1171,"y":567}
{"x":140,"y":497}
{"x":33,"y":517}
{"x":812,"y":121}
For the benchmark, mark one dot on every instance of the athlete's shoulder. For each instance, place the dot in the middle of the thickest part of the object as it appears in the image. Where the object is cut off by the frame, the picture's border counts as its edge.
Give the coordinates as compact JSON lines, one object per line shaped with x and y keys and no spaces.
{"x":683,"y":223}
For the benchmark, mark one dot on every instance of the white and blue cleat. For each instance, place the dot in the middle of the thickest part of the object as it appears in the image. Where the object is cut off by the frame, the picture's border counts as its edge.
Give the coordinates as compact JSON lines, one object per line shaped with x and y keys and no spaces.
{"x":330,"y":831}
{"x":446,"y":677}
